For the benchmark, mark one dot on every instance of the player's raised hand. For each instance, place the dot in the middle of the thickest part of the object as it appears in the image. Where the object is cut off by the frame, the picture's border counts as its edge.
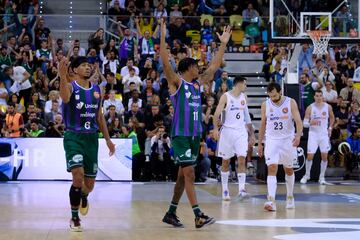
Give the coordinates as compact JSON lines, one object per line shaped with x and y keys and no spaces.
{"x":163,"y":27}
{"x":225,"y":36}
{"x":63,"y":68}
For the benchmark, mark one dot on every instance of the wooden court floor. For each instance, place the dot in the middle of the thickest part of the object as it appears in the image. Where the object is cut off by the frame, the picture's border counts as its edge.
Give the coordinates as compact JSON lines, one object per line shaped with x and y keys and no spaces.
{"x":40,"y":210}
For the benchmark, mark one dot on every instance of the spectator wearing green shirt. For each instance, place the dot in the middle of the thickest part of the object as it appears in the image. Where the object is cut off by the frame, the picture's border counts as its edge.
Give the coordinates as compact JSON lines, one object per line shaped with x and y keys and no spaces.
{"x":34,"y":129}
{"x":129,"y":131}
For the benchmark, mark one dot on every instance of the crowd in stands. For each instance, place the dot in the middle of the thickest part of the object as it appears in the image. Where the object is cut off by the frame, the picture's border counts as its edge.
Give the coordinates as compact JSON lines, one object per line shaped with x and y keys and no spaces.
{"x":336,"y":75}
{"x":136,"y":103}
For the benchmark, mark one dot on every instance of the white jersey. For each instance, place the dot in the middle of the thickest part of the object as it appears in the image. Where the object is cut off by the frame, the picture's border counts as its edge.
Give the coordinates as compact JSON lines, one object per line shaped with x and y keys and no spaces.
{"x":236,"y":113}
{"x":279,"y":120}
{"x":320,"y":119}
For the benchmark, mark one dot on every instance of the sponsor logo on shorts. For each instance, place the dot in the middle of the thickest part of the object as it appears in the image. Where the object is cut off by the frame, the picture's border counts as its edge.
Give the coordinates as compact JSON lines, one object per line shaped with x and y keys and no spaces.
{"x":77,"y":158}
{"x":285,"y":110}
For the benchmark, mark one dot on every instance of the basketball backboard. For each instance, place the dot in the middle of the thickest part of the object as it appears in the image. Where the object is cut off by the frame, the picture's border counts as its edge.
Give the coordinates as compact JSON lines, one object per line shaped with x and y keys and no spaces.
{"x":290,"y":20}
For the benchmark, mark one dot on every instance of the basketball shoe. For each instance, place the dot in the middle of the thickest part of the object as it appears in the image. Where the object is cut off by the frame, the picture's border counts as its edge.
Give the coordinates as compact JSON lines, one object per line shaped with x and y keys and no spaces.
{"x":270,"y":205}
{"x":225,"y":195}
{"x":304,"y":179}
{"x":84,"y":206}
{"x":203,"y":220}
{"x":172,"y":219}
{"x":290,"y":202}
{"x":75,"y":225}
{"x":243,"y":195}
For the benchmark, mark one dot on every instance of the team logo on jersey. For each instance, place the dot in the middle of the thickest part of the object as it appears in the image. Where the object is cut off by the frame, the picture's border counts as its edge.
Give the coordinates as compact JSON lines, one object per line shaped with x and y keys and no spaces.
{"x":79,"y":105}
{"x":242,"y":102}
{"x":77,"y":97}
{"x":186,"y":87}
{"x":96,"y":95}
{"x":285,"y":110}
{"x":188,"y":94}
{"x":324,"y":113}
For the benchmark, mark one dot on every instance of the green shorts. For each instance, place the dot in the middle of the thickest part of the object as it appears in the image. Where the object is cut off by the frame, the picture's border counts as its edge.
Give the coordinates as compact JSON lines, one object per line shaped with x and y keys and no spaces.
{"x":81,"y":150}
{"x":186,"y":150}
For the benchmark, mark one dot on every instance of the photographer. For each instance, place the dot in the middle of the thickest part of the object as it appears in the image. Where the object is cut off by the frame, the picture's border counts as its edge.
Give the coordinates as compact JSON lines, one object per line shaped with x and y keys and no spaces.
{"x":56,"y":128}
{"x":160,"y":155}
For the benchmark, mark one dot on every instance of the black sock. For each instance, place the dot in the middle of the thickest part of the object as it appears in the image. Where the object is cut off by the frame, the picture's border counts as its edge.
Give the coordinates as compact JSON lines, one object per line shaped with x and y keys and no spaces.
{"x":75,"y":196}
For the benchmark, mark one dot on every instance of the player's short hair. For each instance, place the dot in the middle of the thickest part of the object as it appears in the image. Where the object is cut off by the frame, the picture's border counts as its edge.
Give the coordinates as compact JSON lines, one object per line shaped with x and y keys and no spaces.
{"x":78,"y":61}
{"x":273,"y":86}
{"x":186,"y":63}
{"x":239,"y":79}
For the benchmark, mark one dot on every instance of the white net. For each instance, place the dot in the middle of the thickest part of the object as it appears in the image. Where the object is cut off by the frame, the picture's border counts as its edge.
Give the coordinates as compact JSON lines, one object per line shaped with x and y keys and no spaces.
{"x":320,"y":39}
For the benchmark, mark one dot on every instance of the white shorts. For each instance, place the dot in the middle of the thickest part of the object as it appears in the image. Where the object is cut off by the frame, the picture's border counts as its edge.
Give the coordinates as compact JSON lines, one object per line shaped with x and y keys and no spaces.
{"x":280,"y":151}
{"x":232,"y":141}
{"x":315,"y":141}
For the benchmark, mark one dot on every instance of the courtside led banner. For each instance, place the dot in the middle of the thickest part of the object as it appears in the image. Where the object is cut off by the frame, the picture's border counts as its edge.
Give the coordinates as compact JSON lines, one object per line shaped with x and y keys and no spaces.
{"x":44,"y":159}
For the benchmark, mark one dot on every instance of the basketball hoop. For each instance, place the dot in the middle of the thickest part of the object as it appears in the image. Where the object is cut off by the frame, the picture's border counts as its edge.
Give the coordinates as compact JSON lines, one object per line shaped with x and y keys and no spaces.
{"x":320,"y":39}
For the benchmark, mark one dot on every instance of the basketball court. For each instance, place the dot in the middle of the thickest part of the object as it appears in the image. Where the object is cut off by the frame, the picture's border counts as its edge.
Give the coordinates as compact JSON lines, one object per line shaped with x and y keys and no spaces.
{"x":40,"y":210}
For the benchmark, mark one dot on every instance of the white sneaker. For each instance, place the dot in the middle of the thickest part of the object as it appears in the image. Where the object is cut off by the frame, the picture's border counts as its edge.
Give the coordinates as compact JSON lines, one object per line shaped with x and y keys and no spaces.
{"x":270,"y":206}
{"x":226,"y":195}
{"x":322,"y":181}
{"x":290,"y":202}
{"x":243,"y":195}
{"x":304,"y":179}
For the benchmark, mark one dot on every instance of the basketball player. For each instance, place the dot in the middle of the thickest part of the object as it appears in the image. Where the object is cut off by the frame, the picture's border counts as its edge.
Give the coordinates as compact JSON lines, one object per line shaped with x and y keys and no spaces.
{"x":278,"y":114}
{"x":186,"y":126}
{"x":83,"y":118}
{"x":234,"y":134}
{"x":319,"y":118}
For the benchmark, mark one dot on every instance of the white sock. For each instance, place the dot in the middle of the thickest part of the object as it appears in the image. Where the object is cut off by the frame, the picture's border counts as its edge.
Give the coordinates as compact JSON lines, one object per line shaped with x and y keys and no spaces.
{"x":271,"y":185}
{"x":308,"y":165}
{"x":241,"y":179}
{"x":290,"y":180}
{"x":224,"y":180}
{"x":323,"y":167}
